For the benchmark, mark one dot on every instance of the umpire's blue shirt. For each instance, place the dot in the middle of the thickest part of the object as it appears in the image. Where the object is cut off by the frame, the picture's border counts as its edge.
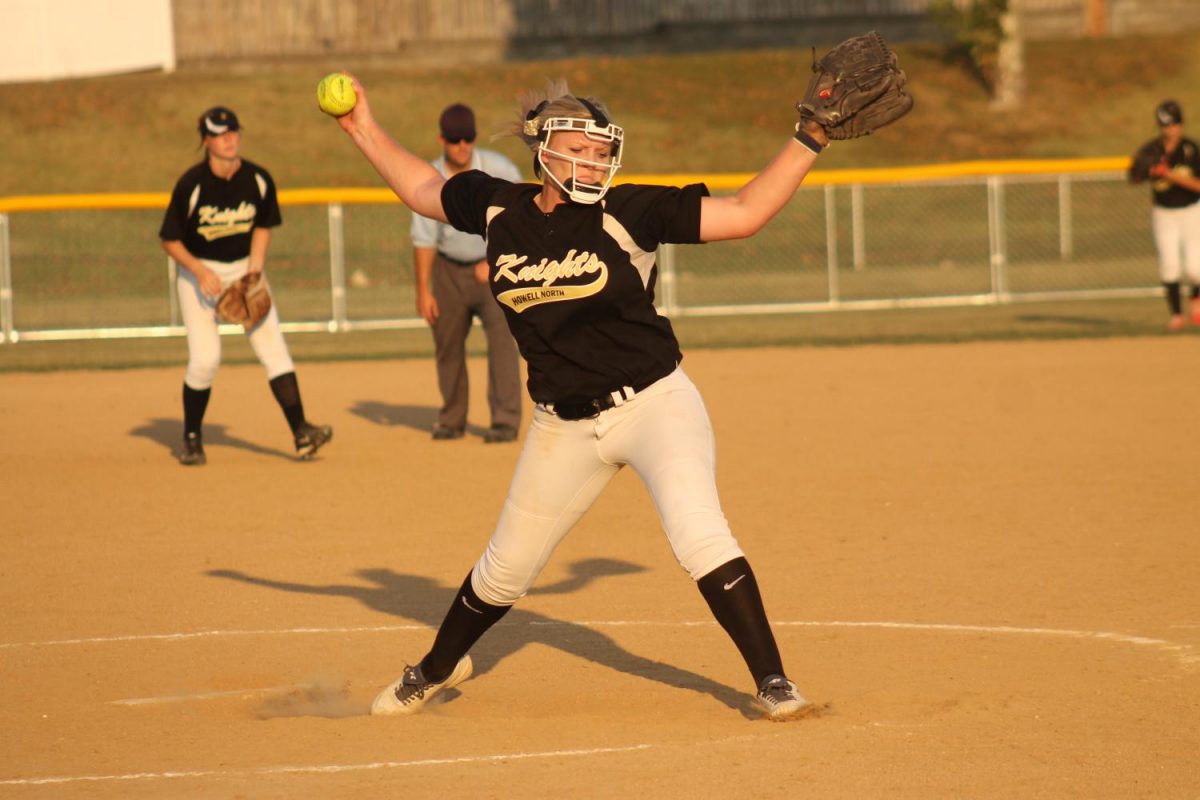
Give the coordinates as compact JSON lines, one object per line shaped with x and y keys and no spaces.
{"x":448,"y":240}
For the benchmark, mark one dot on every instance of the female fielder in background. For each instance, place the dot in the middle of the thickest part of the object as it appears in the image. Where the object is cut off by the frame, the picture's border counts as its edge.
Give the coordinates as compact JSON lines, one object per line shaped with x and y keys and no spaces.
{"x":217,"y":229}
{"x":572,"y":264}
{"x":1172,"y":163}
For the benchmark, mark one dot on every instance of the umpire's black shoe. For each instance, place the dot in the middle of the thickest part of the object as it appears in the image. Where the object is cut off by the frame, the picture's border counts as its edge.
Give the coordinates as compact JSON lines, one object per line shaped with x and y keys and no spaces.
{"x":193,"y":451}
{"x":441,"y":433}
{"x":311,"y":438}
{"x":500,"y":433}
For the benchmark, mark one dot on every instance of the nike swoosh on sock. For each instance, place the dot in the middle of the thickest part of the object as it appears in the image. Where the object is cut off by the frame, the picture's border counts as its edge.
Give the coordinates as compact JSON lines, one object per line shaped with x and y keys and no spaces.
{"x":468,"y":605}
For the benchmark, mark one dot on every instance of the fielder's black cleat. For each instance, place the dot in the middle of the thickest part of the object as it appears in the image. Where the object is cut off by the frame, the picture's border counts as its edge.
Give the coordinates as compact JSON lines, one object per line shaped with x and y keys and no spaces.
{"x":193,"y":451}
{"x":311,"y":438}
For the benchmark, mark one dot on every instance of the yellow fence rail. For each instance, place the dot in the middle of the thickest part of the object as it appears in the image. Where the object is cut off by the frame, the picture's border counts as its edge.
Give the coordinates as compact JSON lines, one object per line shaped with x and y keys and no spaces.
{"x":717,"y":181}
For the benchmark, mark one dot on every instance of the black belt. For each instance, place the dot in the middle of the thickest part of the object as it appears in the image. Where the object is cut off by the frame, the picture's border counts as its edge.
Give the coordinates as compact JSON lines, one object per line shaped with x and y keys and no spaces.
{"x":456,"y":262}
{"x":589,"y":409}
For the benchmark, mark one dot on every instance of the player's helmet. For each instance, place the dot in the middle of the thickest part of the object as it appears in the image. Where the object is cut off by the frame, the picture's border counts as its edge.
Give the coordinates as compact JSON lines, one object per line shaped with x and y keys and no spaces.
{"x":598,"y":129}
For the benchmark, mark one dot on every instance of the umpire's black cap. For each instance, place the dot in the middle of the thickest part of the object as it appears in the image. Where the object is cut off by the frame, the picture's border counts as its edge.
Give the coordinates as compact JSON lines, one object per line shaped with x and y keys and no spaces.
{"x":218,"y":120}
{"x":457,"y":123}
{"x":1168,"y":113}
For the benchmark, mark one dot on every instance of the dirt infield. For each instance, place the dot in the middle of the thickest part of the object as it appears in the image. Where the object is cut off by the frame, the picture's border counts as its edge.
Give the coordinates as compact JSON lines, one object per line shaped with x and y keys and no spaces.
{"x":982,"y":558}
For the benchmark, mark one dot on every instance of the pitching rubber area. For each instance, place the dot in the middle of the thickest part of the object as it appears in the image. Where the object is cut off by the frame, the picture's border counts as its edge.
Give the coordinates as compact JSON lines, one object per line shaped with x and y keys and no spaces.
{"x":980,"y":560}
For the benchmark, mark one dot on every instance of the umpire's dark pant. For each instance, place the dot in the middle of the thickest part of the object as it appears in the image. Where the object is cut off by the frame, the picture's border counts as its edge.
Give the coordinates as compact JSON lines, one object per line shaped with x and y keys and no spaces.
{"x":460,"y":298}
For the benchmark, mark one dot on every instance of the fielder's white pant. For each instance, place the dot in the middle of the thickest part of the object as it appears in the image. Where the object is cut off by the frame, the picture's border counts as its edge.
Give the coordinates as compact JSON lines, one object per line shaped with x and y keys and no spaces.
{"x":664,"y":433}
{"x":203,"y":338}
{"x":1177,"y":237}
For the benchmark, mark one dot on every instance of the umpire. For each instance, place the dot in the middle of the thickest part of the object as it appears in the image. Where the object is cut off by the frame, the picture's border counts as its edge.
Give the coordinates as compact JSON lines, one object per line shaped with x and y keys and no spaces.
{"x":451,"y":282}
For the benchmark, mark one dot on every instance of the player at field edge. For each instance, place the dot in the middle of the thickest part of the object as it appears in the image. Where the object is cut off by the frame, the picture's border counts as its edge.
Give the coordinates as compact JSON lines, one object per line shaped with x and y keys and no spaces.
{"x":217,"y":227}
{"x":571,"y":262}
{"x":1171,"y":163}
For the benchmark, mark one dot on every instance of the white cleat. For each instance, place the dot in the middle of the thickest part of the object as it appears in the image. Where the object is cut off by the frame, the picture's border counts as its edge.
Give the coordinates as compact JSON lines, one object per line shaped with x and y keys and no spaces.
{"x":412,"y":691}
{"x":780,"y":701}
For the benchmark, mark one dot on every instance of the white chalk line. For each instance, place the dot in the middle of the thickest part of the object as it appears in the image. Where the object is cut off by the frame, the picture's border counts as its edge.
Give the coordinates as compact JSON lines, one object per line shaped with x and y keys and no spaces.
{"x":1003,"y":629}
{"x":180,"y":637}
{"x":1109,"y":636}
{"x":322,"y":769}
{"x":1142,"y":641}
{"x":183,"y":698}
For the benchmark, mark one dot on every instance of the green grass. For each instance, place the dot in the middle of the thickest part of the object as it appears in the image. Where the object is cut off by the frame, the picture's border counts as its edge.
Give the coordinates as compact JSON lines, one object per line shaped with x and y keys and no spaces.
{"x":707,"y":112}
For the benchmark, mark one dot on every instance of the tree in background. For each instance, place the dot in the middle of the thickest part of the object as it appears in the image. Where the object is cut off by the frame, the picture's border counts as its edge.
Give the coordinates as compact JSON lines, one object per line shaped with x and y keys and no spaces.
{"x":1009,"y":88}
{"x":986,"y":40}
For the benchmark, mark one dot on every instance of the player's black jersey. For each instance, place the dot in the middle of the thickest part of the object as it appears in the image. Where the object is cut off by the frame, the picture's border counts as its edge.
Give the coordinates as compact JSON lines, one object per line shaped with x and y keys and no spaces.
{"x":214,"y":217}
{"x":1185,"y":160}
{"x":577,"y":284}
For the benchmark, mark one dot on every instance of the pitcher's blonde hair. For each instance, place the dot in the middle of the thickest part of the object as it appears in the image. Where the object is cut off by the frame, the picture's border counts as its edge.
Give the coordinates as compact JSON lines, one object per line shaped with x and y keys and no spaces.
{"x":534,"y":108}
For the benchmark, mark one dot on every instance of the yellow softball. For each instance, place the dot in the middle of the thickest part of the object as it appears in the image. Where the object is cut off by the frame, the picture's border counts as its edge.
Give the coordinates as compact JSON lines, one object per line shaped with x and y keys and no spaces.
{"x":336,"y":95}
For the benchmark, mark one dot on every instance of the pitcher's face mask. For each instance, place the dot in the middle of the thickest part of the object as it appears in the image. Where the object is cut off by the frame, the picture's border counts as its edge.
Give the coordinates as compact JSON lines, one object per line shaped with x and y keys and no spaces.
{"x":599,"y":171}
{"x":589,"y":178}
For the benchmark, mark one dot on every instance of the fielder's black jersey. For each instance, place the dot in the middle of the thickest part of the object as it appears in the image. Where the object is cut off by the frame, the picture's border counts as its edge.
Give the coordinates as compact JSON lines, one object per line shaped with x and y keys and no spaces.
{"x":1185,"y":160}
{"x":214,"y":217}
{"x":577,"y":284}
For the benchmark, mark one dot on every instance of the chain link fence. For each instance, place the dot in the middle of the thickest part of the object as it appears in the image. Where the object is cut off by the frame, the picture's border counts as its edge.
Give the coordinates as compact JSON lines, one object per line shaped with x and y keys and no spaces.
{"x":73,"y":268}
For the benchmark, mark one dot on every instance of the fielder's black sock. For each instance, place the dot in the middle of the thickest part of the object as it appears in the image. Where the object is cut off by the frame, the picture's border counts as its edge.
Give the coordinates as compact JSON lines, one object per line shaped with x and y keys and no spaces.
{"x":1195,"y":292}
{"x":195,"y":401}
{"x":1174,"y":299}
{"x":467,"y":620}
{"x":287,"y":393}
{"x":732,"y":593}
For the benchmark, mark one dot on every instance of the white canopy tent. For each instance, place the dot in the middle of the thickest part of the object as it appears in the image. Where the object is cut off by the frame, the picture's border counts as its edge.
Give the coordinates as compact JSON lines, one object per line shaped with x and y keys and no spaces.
{"x":50,"y":39}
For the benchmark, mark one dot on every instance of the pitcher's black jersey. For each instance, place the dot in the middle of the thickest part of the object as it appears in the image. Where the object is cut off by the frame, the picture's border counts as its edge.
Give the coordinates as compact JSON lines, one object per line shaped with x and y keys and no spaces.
{"x":577,"y":284}
{"x":214,"y":217}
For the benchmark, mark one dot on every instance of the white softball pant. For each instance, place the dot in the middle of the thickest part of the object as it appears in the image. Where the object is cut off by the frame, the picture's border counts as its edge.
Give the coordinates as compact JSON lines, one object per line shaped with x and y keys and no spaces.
{"x":203,"y":338}
{"x":1177,"y":237}
{"x":663,"y":433}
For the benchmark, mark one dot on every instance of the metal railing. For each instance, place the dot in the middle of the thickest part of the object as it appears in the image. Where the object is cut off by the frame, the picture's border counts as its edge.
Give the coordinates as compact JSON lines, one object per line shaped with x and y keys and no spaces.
{"x":83,"y":267}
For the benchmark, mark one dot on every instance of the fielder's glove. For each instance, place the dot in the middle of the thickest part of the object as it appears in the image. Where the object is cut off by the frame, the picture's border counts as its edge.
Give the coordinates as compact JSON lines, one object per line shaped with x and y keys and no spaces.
{"x":246,"y":301}
{"x":856,"y":88}
{"x":1144,"y":161}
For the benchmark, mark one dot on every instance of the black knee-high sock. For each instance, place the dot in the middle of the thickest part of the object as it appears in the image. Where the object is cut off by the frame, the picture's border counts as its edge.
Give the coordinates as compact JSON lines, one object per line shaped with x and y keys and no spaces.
{"x":1195,"y":291}
{"x":732,"y":593}
{"x":195,"y":401}
{"x":1174,"y":299}
{"x":467,"y":620}
{"x":287,"y":393}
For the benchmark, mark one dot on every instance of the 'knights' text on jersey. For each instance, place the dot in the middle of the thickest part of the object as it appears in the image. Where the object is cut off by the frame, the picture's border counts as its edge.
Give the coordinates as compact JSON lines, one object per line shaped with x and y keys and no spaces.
{"x":214,"y":217}
{"x":577,"y":284}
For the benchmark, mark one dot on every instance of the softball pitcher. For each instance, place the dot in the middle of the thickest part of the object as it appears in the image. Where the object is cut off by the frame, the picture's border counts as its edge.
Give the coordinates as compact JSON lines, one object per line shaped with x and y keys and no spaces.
{"x":571,"y":262}
{"x":217,"y":228}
